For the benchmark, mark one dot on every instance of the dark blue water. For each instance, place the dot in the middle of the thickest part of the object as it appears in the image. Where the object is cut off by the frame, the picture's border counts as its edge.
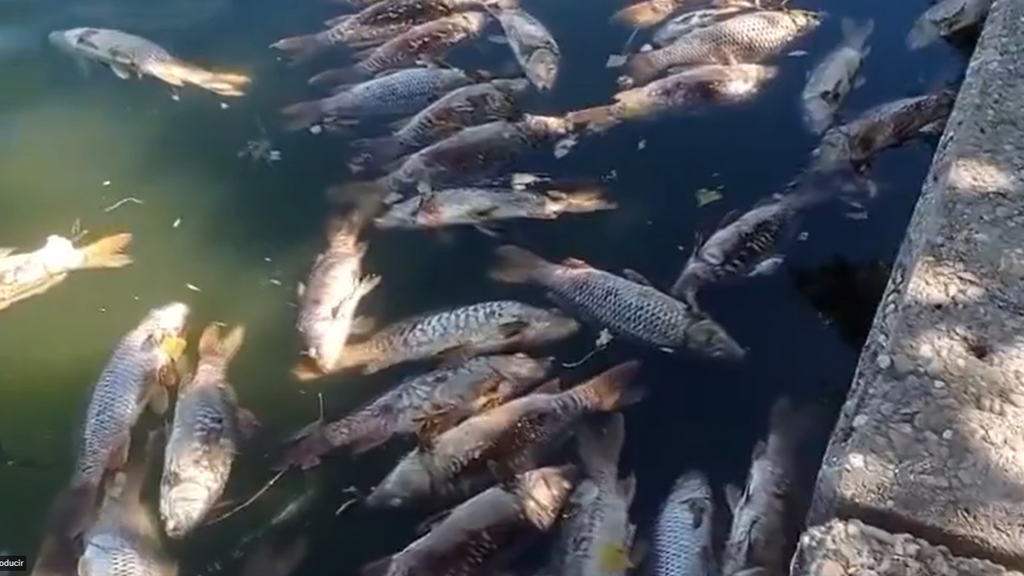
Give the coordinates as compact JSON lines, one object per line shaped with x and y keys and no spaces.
{"x":258,"y":223}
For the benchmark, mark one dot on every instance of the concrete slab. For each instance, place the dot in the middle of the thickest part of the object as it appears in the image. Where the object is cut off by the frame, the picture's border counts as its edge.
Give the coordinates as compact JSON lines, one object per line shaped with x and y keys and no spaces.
{"x":856,"y":549}
{"x":931,"y":439}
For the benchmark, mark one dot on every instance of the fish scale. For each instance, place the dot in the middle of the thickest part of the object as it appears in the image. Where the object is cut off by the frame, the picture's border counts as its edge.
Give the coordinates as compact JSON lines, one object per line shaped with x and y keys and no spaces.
{"x":681,"y":541}
{"x":405,"y":91}
{"x":426,"y":40}
{"x":467,"y":106}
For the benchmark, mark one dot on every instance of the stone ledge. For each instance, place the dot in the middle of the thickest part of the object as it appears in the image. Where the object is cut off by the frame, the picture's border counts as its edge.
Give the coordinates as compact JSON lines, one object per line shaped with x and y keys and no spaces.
{"x":931,"y":438}
{"x":856,"y":549}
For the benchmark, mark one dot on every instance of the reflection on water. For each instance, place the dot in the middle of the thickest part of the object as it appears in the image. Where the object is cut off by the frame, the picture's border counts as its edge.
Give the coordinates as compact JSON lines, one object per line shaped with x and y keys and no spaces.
{"x":231,"y":237}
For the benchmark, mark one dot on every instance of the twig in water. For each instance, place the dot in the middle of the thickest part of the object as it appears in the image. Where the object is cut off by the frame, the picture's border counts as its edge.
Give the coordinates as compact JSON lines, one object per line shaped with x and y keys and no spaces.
{"x":249,"y":502}
{"x":122,"y":202}
{"x":350,"y":501}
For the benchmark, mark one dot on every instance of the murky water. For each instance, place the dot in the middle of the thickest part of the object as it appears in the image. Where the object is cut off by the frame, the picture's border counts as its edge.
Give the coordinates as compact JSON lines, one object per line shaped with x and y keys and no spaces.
{"x":232,"y":237}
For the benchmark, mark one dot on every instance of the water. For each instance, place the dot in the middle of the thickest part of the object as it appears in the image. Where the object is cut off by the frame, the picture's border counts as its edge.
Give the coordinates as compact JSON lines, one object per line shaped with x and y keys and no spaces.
{"x":71,"y":146}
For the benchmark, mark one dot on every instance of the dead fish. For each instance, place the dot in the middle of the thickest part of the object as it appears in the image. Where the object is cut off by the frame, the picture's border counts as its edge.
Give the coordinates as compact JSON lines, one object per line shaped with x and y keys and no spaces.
{"x":690,"y":20}
{"x":647,"y":13}
{"x":301,"y":48}
{"x":944,"y":18}
{"x":681,"y":539}
{"x":486,"y":530}
{"x":389,"y":12}
{"x":596,"y":536}
{"x":143,"y":365}
{"x":474,"y":153}
{"x":402,"y":92}
{"x":332,"y":292}
{"x":748,"y":37}
{"x":125,"y":540}
{"x":885,"y":126}
{"x":424,"y":403}
{"x":746,"y":247}
{"x":463,"y":332}
{"x":477,"y":206}
{"x":693,"y":87}
{"x":532,"y":44}
{"x":504,"y":441}
{"x":425,"y":42}
{"x":461,"y":108}
{"x":206,"y":434}
{"x":127,"y":55}
{"x":31,"y":273}
{"x":758,"y":538}
{"x":627,"y":306}
{"x":835,"y":76}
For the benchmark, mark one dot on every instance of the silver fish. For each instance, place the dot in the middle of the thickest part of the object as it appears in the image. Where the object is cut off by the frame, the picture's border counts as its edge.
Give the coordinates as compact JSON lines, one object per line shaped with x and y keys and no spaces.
{"x":945,"y":18}
{"x":421,"y":402}
{"x":757,"y":539}
{"x":474,"y":206}
{"x":746,"y":247}
{"x":486,"y":530}
{"x":31,"y":273}
{"x":596,"y":536}
{"x":125,"y":540}
{"x":205,"y":435}
{"x":127,"y":55}
{"x":678,"y":26}
{"x":504,"y":441}
{"x":402,"y":92}
{"x":885,"y":126}
{"x":533,"y":46}
{"x":466,"y":331}
{"x":748,"y":37}
{"x":474,"y":153}
{"x":138,"y":372}
{"x":835,"y":76}
{"x":461,"y":108}
{"x":630,"y":307}
{"x":681,"y":540}
{"x":332,"y":292}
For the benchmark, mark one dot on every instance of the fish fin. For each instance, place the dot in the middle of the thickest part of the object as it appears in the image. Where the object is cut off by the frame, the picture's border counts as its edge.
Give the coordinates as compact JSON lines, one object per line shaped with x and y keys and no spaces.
{"x":338,"y":77}
{"x":362,"y":325}
{"x":374,"y":152}
{"x":302,"y":114}
{"x":159,"y":400}
{"x":642,"y":14}
{"x":379,"y":567}
{"x":767,"y":267}
{"x":6,"y":251}
{"x":610,"y":390}
{"x":572,"y":262}
{"x":367,"y":195}
{"x":310,"y":444}
{"x":307,"y":370}
{"x":855,"y":34}
{"x":517,"y":265}
{"x":433,"y":520}
{"x":212,"y":345}
{"x":636,"y":277}
{"x":859,"y":82}
{"x":301,"y":48}
{"x":107,"y":252}
{"x":120,"y":71}
{"x":247,"y":422}
{"x":498,"y":39}
{"x":627,"y":487}
{"x":553,"y":386}
{"x":641,"y":68}
{"x":733,"y":497}
{"x":599,"y":442}
{"x":429,"y":209}
{"x":579,"y":201}
{"x":492,"y":230}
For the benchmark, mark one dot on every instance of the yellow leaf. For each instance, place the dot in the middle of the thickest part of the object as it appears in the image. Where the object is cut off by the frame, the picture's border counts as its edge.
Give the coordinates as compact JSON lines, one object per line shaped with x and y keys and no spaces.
{"x":614,"y":558}
{"x":173,"y":346}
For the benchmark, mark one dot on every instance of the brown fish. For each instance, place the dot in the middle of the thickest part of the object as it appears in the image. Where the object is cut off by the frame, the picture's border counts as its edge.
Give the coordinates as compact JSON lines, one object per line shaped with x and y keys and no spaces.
{"x":301,"y":48}
{"x":647,"y":13}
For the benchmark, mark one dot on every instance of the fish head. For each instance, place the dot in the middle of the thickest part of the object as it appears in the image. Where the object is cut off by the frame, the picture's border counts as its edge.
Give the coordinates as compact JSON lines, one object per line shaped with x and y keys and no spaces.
{"x":542,"y":68}
{"x":164,"y":328}
{"x":183,"y":506}
{"x":805,"y":20}
{"x":75,"y":41}
{"x":747,"y":79}
{"x":711,"y":338}
{"x":407,"y":483}
{"x":818,"y":113}
{"x":692,"y":486}
{"x":833,"y":150}
{"x":547,"y":127}
{"x":327,"y":345}
{"x":512,"y":85}
{"x":548,"y":326}
{"x":542,"y":493}
{"x":58,"y":253}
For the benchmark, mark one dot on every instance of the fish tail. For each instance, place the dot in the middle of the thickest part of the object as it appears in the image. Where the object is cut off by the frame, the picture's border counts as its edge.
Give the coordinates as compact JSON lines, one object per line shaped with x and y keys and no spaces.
{"x":855,"y":34}
{"x":641,"y":14}
{"x":213,"y":346}
{"x":302,"y":114}
{"x":377,"y":151}
{"x":302,"y":48}
{"x":609,"y":391}
{"x":641,"y":68}
{"x":365,"y":199}
{"x":600,"y":442}
{"x":922,"y":33}
{"x":576,"y":201}
{"x":176,"y":73}
{"x":517,"y":265}
{"x":309,"y":444}
{"x":337,"y":77}
{"x":107,"y":252}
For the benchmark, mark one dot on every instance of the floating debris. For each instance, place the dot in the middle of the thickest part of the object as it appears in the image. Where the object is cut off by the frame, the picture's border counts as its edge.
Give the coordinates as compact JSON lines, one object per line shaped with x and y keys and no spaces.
{"x":706,"y":196}
{"x":122,"y":202}
{"x":615,"y":61}
{"x":192,"y":287}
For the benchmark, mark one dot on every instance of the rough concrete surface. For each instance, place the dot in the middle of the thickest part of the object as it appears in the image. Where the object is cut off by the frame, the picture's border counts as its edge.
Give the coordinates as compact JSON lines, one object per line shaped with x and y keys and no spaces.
{"x":853,"y":548}
{"x":931,"y":439}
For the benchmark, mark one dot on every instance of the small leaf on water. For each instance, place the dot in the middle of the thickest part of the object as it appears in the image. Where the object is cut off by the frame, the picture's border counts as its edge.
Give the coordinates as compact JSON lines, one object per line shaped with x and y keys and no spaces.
{"x":615,"y":61}
{"x":604,"y":337}
{"x":641,"y":145}
{"x":797,"y":53}
{"x":706,"y":196}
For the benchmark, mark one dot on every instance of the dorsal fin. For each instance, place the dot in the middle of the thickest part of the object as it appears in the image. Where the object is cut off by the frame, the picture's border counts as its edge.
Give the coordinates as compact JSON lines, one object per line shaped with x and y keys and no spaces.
{"x":571,"y":262}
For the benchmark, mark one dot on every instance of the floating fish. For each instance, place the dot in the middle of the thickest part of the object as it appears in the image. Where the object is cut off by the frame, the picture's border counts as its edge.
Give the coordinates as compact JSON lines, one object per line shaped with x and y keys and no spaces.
{"x":627,"y":306}
{"x":532,"y":44}
{"x":127,"y":55}
{"x":717,"y":11}
{"x":945,"y":18}
{"x":835,"y":76}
